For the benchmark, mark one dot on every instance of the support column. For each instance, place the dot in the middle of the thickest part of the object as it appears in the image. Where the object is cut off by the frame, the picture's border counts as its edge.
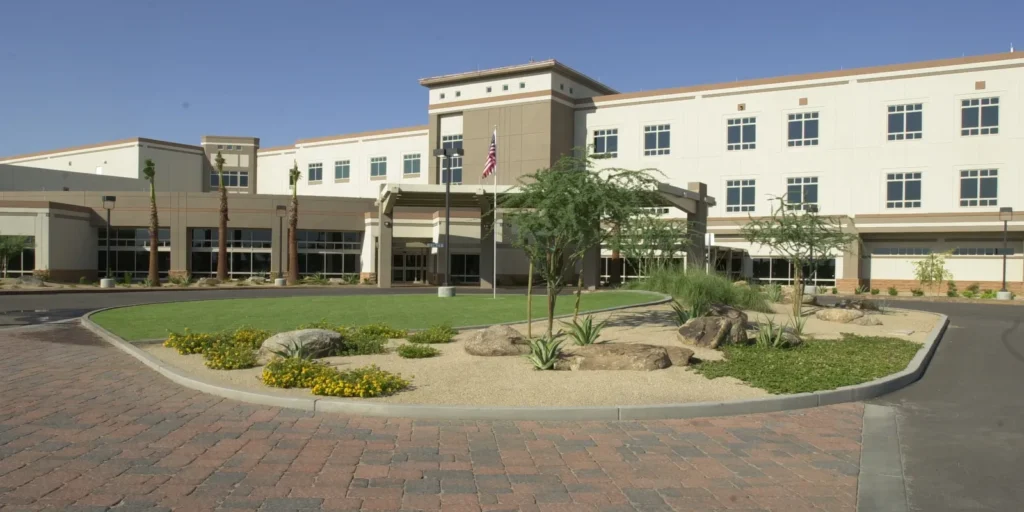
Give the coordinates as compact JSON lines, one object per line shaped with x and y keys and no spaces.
{"x":697,"y":226}
{"x":592,"y":268}
{"x":486,"y":245}
{"x":850,"y":278}
{"x":385,"y":227}
{"x":181,"y":239}
{"x":278,"y":245}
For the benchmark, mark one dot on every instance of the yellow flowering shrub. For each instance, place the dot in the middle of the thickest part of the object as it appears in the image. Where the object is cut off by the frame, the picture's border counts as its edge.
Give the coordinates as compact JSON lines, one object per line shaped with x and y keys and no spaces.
{"x":379,"y":332}
{"x":190,"y":342}
{"x":365,"y":382}
{"x":229,"y":356}
{"x":293,"y":373}
{"x":249,"y":337}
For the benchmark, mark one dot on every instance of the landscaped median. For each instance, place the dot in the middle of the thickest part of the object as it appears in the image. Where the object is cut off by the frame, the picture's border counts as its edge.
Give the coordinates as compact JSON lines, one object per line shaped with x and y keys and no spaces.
{"x":383,"y":369}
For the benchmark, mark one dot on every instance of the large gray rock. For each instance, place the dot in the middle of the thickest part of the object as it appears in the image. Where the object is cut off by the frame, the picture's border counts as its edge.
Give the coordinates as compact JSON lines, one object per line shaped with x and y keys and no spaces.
{"x":841,"y":316}
{"x":207,"y":281}
{"x":30,"y":281}
{"x":728,"y":312}
{"x":867,"y":320}
{"x":614,"y":356}
{"x":317,"y":342}
{"x":257,"y":280}
{"x":497,"y":340}
{"x":713,"y":331}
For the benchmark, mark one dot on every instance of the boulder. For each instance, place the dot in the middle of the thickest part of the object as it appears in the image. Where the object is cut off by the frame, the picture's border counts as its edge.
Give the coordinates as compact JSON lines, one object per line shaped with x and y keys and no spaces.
{"x":712,"y":331}
{"x":497,"y":340}
{"x":741,"y":283}
{"x":858,"y":304}
{"x":614,"y":356}
{"x":207,"y":281}
{"x":727,"y":312}
{"x":318,"y":342}
{"x":679,"y":356}
{"x":867,"y":320}
{"x":30,"y":281}
{"x":842,"y":316}
{"x":257,"y":280}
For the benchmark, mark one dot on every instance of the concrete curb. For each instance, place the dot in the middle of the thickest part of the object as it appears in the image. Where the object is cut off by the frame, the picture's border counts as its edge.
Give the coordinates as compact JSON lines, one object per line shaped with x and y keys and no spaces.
{"x":854,"y":393}
{"x":881,"y":486}
{"x":96,"y":289}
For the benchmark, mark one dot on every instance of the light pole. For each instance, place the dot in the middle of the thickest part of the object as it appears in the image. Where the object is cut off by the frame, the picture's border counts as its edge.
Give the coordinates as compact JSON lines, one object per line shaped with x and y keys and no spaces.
{"x":1005,"y":215}
{"x":108,"y":204}
{"x":281,"y":211}
{"x":447,"y":290}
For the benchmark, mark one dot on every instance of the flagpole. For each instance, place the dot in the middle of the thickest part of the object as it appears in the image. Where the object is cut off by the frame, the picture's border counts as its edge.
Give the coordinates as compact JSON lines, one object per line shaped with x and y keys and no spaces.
{"x":494,"y":220}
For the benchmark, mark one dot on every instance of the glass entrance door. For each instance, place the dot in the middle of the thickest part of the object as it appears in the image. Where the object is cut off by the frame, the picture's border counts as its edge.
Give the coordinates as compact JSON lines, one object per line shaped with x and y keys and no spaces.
{"x":409,"y":267}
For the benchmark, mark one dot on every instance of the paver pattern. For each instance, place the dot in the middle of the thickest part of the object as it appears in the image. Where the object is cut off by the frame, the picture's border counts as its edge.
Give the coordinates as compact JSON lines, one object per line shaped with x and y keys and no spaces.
{"x":86,"y":427}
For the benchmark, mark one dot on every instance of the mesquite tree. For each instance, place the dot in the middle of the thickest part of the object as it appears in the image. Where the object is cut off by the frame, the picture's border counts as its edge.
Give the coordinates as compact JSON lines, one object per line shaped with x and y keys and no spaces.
{"x":561,"y":212}
{"x":799,"y":235}
{"x":650,"y":241}
{"x":222,"y":227}
{"x":293,"y":224}
{"x":149,"y":172}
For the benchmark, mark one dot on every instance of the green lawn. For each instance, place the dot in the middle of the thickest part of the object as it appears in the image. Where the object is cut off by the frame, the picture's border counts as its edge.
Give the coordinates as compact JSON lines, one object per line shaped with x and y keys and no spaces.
{"x":399,"y":311}
{"x":814,"y":366}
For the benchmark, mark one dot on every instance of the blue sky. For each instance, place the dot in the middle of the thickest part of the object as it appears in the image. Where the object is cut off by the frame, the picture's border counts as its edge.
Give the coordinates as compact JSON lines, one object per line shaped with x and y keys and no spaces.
{"x":74,"y":72}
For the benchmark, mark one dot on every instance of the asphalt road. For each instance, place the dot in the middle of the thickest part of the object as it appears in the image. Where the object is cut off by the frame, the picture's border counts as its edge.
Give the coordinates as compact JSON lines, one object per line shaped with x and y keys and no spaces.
{"x":961,"y":427}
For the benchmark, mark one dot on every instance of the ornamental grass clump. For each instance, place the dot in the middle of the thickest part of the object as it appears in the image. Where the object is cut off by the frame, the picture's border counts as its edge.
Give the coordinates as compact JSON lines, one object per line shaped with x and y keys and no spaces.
{"x":293,"y":373}
{"x":229,"y":356}
{"x":190,"y":342}
{"x":435,"y":334}
{"x":366,"y":382}
{"x":417,"y":351}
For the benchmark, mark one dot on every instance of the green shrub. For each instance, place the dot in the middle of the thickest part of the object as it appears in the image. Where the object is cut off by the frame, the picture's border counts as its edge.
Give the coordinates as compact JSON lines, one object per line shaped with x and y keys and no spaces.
{"x":917,"y":292}
{"x":126,"y":280}
{"x":435,"y":334}
{"x":365,"y":382}
{"x":770,"y":335}
{"x":698,"y":289}
{"x":380,"y":331}
{"x":293,"y":373}
{"x":317,"y":279}
{"x":83,"y":280}
{"x":181,"y":280}
{"x":585,"y":332}
{"x":821,"y":290}
{"x":295,"y":350}
{"x":861,"y":290}
{"x":835,"y":291}
{"x":893,"y":291}
{"x":874,"y":291}
{"x":974,"y":288}
{"x":774,"y":293}
{"x":229,"y":356}
{"x":545,"y":352}
{"x":417,"y":351}
{"x":951,"y":290}
{"x":967,"y":294}
{"x":988,"y":294}
{"x":681,"y":315}
{"x":190,"y":342}
{"x":350,"y":279}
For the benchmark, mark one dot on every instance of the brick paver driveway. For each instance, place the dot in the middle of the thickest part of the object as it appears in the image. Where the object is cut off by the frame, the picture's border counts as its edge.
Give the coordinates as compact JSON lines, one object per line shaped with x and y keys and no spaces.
{"x":84,"y":426}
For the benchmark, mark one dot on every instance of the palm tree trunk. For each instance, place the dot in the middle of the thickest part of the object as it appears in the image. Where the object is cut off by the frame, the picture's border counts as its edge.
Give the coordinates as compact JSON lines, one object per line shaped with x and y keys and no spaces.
{"x":529,"y":302}
{"x":293,"y":244}
{"x":222,"y":232}
{"x":154,"y":237}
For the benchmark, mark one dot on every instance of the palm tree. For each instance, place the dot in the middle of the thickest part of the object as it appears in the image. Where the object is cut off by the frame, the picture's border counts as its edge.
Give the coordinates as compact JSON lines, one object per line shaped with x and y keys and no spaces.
{"x":10,"y":248}
{"x":222,"y":227}
{"x":149,"y":171}
{"x":293,"y":223}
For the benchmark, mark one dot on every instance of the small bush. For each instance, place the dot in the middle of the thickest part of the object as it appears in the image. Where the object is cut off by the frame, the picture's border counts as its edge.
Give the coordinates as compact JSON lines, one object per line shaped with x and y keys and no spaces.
{"x":417,"y":351}
{"x":147,"y":283}
{"x":799,"y":323}
{"x":366,"y":382}
{"x":380,"y":331}
{"x":190,"y":342}
{"x":774,"y":293}
{"x":350,"y":279}
{"x":821,"y":290}
{"x":988,"y":294}
{"x":436,"y":334}
{"x":893,"y":291}
{"x":967,"y":294}
{"x":835,"y":291}
{"x":229,"y":356}
{"x":249,"y":337}
{"x":770,"y":335}
{"x":874,"y":291}
{"x":917,"y":292}
{"x":585,"y":332}
{"x":545,"y":352}
{"x":861,"y":290}
{"x":698,"y":289}
{"x":183,"y":280}
{"x":974,"y":288}
{"x":83,"y":280}
{"x":293,"y":373}
{"x":317,"y":279}
{"x":951,"y":290}
{"x":681,"y":315}
{"x":126,"y":280}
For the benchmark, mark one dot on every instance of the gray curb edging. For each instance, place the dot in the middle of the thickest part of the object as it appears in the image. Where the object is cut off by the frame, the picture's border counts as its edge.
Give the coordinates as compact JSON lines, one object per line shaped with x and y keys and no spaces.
{"x":854,"y":393}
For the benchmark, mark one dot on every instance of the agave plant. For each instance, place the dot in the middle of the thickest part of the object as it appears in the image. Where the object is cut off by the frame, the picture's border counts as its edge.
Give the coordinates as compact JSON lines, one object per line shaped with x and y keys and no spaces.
{"x":771,"y":335}
{"x":295,"y":350}
{"x":585,"y":332}
{"x":682,"y":314}
{"x":799,"y":322}
{"x":544,"y":352}
{"x":773,"y":292}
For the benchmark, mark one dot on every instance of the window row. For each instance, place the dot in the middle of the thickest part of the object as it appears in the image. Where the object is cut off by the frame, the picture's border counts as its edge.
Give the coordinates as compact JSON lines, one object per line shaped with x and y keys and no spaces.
{"x":504,"y":87}
{"x":978,"y":187}
{"x":924,"y":251}
{"x":133,"y":237}
{"x":232,"y":179}
{"x":904,"y":122}
{"x":229,"y":146}
{"x":378,"y":168}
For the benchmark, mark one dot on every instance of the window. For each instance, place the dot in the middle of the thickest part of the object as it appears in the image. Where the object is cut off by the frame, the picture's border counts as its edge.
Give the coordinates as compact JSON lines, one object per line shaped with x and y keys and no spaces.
{"x":25,"y":263}
{"x":801,"y":192}
{"x":656,"y":139}
{"x":903,"y":190}
{"x":780,"y":271}
{"x":248,"y":251}
{"x":411,"y":164}
{"x":341,"y":170}
{"x":979,"y":116}
{"x":979,"y":187}
{"x":458,"y":93}
{"x":315,"y":173}
{"x":905,"y":121}
{"x":803,"y":129}
{"x":129,"y":251}
{"x":570,"y":90}
{"x":451,"y":142}
{"x":606,"y":142}
{"x":522,"y":85}
{"x":488,"y":90}
{"x":900,"y":251}
{"x":442,"y":95}
{"x":982,"y":251}
{"x":739,"y":195}
{"x":220,"y":146}
{"x":561,"y":87}
{"x":232,"y":179}
{"x":465,"y":268}
{"x":504,"y":87}
{"x":378,"y":166}
{"x":742,"y":133}
{"x":239,"y":148}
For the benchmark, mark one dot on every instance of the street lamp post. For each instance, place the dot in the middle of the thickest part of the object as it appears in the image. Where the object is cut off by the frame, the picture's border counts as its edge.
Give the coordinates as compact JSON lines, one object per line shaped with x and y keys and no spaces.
{"x":1005,"y":215}
{"x":281,"y":211}
{"x":108,"y":204}
{"x":447,"y":290}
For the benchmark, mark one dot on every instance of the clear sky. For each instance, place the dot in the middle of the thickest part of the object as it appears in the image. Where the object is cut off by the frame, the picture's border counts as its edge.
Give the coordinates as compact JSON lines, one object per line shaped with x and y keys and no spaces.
{"x":79,"y":72}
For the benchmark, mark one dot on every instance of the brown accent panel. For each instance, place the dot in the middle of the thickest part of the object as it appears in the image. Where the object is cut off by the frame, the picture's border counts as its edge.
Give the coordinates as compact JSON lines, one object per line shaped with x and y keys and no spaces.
{"x":822,"y":75}
{"x":363,"y":134}
{"x":524,"y":140}
{"x":803,"y":102}
{"x":563,"y":121}
{"x":979,"y":85}
{"x":741,"y":107}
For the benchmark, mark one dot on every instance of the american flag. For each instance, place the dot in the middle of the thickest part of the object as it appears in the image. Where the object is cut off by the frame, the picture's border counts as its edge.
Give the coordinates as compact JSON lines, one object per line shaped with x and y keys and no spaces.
{"x":492,"y":156}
